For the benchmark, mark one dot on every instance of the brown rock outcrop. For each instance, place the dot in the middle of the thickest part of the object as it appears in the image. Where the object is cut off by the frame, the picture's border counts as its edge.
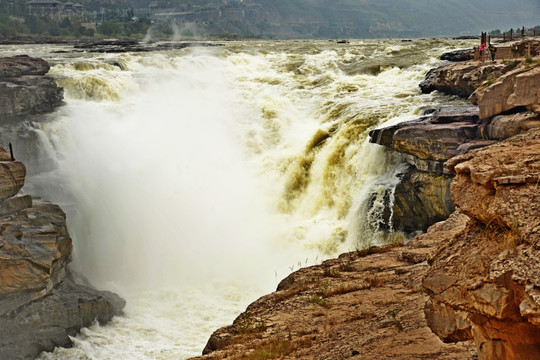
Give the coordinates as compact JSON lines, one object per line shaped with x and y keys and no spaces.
{"x":437,"y":137}
{"x":13,"y":67}
{"x":502,"y":127}
{"x":35,"y":249}
{"x":24,"y":87}
{"x":483,"y":283}
{"x":520,"y":87}
{"x":463,"y":78}
{"x":40,"y":304}
{"x":362,"y":305}
{"x":423,"y":195}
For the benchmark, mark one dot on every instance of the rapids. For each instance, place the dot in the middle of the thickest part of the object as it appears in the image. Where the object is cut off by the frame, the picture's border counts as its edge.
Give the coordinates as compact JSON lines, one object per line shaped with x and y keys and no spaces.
{"x":195,"y":180}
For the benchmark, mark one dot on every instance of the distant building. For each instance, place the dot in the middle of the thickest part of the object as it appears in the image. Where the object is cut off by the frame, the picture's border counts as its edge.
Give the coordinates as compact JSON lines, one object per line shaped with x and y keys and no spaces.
{"x":44,"y":7}
{"x":53,"y":7}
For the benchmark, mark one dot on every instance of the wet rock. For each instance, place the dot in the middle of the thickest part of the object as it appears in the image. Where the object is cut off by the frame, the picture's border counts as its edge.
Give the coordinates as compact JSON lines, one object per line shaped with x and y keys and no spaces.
{"x":24,"y":87}
{"x":504,"y":126}
{"x":45,"y":324}
{"x":120,"y":46}
{"x":458,"y":55}
{"x":452,"y":114}
{"x":112,"y":43}
{"x":437,"y":142}
{"x":420,"y":200}
{"x":40,"y":304}
{"x":16,"y":66}
{"x":15,"y":203}
{"x":423,"y":198}
{"x":436,"y":137}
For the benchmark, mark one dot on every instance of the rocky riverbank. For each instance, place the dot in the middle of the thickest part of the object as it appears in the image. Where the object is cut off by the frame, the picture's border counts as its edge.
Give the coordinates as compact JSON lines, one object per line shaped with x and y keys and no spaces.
{"x":40,"y":303}
{"x":466,"y":289}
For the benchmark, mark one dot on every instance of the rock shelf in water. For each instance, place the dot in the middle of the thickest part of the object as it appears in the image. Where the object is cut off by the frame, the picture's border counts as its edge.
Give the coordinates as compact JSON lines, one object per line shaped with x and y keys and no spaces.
{"x":25,"y":88}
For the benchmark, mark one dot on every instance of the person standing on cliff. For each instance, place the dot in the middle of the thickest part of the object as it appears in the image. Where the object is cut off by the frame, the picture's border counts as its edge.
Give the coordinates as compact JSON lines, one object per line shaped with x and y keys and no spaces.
{"x":492,"y":51}
{"x":482,"y":47}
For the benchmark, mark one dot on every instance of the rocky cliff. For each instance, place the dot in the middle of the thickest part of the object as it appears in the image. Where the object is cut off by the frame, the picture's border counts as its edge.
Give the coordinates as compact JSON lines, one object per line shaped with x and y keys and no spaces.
{"x":502,"y":108}
{"x":484,"y":281}
{"x":25,"y":88}
{"x":472,"y":279}
{"x":40,"y":303}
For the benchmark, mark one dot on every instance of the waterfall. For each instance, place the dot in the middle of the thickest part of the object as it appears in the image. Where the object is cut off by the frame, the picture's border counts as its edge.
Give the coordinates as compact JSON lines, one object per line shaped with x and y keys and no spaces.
{"x":196,"y":179}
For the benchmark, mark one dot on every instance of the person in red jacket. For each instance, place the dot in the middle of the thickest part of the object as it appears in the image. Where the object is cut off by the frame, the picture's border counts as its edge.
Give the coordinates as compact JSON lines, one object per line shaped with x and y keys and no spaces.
{"x":482,"y":47}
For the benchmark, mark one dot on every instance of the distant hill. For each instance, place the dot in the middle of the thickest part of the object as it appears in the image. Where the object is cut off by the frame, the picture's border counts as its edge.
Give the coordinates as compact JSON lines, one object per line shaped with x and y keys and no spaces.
{"x":348,"y":18}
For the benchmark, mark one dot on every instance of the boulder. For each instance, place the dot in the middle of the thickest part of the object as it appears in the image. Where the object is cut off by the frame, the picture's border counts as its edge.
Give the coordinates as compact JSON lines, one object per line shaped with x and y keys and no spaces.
{"x":458,"y":55}
{"x":36,"y":248}
{"x":25,"y":89}
{"x":518,"y":88}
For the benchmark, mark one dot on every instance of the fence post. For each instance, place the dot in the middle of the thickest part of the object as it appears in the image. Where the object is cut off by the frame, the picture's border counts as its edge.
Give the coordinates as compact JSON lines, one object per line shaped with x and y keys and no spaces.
{"x":11,"y":152}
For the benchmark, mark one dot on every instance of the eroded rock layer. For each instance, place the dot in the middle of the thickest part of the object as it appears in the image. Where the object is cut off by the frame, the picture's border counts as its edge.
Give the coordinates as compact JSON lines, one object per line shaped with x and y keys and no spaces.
{"x":484,"y":283}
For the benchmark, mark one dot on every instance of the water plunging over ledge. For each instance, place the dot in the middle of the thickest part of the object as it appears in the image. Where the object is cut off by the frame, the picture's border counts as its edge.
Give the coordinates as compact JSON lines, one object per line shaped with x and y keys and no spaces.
{"x":196,"y":179}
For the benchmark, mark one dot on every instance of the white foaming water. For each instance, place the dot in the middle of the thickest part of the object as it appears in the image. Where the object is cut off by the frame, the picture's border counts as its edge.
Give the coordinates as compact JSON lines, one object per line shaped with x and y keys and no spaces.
{"x":197,"y":179}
